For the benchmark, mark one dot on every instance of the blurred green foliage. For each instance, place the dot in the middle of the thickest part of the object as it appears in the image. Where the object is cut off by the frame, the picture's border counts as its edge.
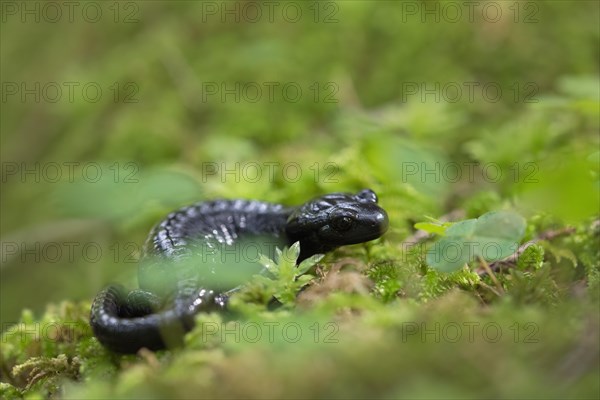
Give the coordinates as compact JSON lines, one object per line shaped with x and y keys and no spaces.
{"x":378,"y":109}
{"x":491,"y":237}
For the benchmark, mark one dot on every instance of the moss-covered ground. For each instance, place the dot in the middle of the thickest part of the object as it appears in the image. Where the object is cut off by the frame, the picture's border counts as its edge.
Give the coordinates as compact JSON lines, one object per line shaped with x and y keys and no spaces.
{"x":393,"y":99}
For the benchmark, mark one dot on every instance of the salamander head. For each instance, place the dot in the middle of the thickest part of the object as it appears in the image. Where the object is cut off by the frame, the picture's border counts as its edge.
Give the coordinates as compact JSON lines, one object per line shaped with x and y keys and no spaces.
{"x":336,"y":219}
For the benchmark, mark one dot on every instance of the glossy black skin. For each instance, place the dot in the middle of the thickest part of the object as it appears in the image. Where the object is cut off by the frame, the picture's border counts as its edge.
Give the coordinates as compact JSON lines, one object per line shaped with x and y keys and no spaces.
{"x":172,"y":292}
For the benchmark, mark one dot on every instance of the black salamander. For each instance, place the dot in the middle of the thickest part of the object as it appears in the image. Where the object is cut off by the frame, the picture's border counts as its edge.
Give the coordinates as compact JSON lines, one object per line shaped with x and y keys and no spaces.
{"x":173,"y":287}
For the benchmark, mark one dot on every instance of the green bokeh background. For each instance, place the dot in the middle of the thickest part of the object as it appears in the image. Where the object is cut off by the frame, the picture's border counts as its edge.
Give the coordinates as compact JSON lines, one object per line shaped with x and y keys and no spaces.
{"x":156,"y":129}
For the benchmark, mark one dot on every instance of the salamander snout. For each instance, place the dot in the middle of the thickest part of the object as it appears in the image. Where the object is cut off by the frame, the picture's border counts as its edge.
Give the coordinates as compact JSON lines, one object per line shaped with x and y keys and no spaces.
{"x":380,"y":221}
{"x":372,"y":222}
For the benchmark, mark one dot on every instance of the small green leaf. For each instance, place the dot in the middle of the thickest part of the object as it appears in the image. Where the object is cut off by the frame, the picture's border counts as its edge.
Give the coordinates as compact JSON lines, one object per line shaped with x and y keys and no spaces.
{"x":277,"y":254}
{"x":493,"y":236}
{"x":501,"y":224}
{"x":294,"y":251}
{"x":447,"y":255}
{"x":462,"y":228}
{"x":269,"y":264}
{"x":308,"y":263}
{"x":304,"y":279}
{"x":431,"y":228}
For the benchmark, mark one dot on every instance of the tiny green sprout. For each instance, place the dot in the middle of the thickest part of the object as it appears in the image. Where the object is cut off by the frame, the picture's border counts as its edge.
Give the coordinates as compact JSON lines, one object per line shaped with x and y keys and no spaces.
{"x":433,"y":226}
{"x":532,"y":258}
{"x":287,"y":278}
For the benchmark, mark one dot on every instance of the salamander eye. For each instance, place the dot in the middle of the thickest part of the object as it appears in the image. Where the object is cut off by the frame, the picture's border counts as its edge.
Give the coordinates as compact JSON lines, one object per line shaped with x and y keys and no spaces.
{"x":342,"y":223}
